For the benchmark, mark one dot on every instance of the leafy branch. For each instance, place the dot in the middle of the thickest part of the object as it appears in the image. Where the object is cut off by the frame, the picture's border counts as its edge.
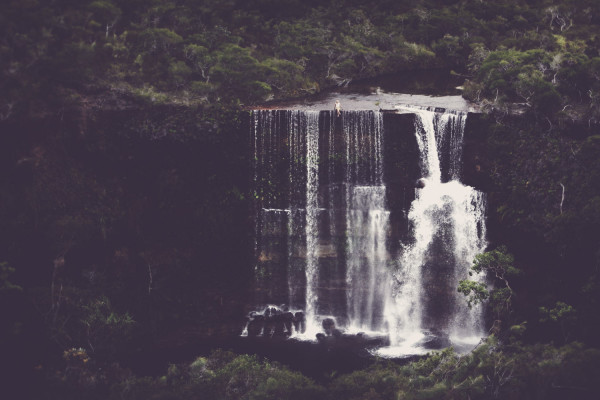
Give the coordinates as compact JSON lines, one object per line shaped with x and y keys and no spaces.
{"x":497,"y":263}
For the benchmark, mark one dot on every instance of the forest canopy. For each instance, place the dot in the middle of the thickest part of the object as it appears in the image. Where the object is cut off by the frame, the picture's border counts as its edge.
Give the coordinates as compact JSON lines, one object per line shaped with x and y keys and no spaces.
{"x":544,"y":54}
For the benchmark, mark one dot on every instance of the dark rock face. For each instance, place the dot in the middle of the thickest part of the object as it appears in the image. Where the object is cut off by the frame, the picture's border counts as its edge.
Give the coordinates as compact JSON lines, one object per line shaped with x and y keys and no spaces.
{"x":401,"y":170}
{"x":438,"y":278}
{"x":475,"y":168}
{"x":120,"y":194}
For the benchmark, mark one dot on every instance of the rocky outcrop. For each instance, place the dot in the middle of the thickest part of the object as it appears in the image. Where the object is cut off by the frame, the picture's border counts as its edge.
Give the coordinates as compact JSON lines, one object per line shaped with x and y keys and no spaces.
{"x":275,"y":322}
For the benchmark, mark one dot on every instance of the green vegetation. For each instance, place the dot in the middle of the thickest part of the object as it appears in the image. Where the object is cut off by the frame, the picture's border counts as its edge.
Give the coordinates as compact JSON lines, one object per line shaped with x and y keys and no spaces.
{"x":490,"y":371}
{"x":497,"y":264}
{"x":542,"y":54}
{"x":123,"y":181}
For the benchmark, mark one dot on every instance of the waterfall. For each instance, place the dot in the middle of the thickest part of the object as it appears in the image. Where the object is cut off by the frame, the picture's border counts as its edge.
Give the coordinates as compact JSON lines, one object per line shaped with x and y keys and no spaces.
{"x":366,"y":257}
{"x":312,"y":223}
{"x":286,"y":185}
{"x":326,"y":244}
{"x":448,"y":225}
{"x":366,"y":221}
{"x":296,"y":231}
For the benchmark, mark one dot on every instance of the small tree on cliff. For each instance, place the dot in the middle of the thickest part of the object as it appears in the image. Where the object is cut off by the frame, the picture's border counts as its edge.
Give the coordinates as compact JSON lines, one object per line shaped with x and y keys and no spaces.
{"x":498,"y":264}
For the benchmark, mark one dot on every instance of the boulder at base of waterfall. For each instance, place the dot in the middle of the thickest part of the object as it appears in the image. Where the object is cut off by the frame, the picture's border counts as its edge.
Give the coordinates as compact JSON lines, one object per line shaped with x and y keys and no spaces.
{"x":299,"y":322}
{"x":256,"y":325}
{"x":328,"y":326}
{"x":283,"y":323}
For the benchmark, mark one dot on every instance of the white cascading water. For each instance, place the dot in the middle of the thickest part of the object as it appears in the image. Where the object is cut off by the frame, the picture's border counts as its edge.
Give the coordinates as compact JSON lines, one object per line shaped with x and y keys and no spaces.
{"x":366,"y":221}
{"x":437,"y":205}
{"x":296,"y":219}
{"x":296,"y":214}
{"x":312,"y":222}
{"x":367,"y":257}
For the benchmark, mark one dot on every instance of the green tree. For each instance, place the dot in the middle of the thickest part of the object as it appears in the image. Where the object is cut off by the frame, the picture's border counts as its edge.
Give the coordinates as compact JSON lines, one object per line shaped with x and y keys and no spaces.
{"x":105,"y":14}
{"x":105,"y":329}
{"x":562,"y":314}
{"x":238,"y":74}
{"x":286,"y":77}
{"x":497,"y":264}
{"x":201,"y":59}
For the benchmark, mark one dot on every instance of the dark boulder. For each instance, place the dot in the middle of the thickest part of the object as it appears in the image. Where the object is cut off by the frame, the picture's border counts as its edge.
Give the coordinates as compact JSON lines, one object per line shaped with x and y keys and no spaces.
{"x":256,"y":325}
{"x":281,"y":323}
{"x":299,"y":322}
{"x":288,"y":320}
{"x":328,"y":326}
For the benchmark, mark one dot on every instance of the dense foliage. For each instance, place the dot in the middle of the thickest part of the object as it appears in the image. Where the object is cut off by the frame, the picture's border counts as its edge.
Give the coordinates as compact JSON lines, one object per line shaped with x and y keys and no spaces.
{"x":497,"y":264}
{"x":543,"y":54}
{"x":512,"y":371}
